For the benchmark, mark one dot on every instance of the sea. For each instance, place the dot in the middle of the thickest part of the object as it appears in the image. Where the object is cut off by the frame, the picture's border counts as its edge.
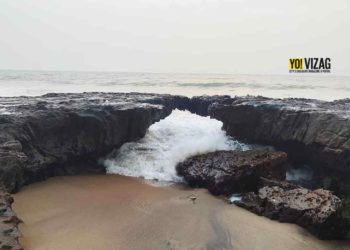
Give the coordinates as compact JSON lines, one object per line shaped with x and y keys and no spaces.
{"x":181,"y":134}
{"x":317,"y":86}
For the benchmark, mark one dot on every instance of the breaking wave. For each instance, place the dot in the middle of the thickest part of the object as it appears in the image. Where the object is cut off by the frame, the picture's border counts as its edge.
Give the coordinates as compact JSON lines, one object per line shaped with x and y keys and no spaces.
{"x":168,"y":142}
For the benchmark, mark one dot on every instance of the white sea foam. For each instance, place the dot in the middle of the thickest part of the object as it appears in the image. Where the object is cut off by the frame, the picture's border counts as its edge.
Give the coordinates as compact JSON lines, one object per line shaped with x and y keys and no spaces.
{"x":4,"y":111}
{"x":167,"y":143}
{"x":235,"y":197}
{"x":300,"y":174}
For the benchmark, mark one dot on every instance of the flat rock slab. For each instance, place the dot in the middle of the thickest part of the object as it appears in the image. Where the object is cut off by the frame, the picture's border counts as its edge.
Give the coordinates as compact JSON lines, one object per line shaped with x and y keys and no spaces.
{"x":226,"y":172}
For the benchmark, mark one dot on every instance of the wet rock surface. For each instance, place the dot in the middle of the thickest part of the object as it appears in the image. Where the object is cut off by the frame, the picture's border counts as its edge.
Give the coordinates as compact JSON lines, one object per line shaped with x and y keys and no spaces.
{"x":310,"y":131}
{"x":59,"y":134}
{"x":9,"y":232}
{"x":319,"y":210}
{"x":225,"y":172}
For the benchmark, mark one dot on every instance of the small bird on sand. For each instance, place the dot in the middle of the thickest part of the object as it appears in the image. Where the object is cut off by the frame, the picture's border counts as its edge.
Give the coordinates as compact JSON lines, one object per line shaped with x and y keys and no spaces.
{"x":193,"y":198}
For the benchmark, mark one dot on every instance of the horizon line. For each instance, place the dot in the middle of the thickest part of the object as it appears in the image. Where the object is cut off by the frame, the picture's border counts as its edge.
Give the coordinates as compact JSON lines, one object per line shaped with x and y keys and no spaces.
{"x":179,"y":73}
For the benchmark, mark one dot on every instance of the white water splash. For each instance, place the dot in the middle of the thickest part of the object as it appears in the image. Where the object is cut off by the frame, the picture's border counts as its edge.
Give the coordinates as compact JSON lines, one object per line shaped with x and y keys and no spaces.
{"x":301,"y":174}
{"x":167,"y":143}
{"x":4,"y":111}
{"x":235,"y":197}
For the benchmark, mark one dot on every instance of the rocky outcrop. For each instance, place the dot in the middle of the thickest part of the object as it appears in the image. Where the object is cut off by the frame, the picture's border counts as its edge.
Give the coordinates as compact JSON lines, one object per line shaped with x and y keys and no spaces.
{"x":58,"y":134}
{"x":310,"y":131}
{"x":200,"y":104}
{"x":259,"y":176}
{"x":39,"y":136}
{"x":319,"y":211}
{"x":226,"y":172}
{"x":9,"y":232}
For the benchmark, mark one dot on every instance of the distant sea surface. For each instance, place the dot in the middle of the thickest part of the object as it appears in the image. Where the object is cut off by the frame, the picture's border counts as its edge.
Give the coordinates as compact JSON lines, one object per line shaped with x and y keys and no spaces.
{"x":32,"y":83}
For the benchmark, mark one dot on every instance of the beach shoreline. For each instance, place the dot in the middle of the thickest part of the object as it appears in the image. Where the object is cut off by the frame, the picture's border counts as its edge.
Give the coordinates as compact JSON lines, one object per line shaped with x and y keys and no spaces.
{"x":118,"y":212}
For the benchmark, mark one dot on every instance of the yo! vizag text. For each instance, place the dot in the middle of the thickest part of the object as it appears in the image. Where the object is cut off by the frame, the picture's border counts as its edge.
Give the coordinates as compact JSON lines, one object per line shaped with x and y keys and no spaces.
{"x":310,"y":65}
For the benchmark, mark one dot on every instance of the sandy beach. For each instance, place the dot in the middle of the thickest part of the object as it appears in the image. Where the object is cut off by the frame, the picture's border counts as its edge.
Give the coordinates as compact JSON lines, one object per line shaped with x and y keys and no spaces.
{"x":116,"y":212}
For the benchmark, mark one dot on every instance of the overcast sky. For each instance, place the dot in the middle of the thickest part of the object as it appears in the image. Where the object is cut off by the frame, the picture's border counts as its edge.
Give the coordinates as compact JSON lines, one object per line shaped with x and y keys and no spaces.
{"x":199,"y":36}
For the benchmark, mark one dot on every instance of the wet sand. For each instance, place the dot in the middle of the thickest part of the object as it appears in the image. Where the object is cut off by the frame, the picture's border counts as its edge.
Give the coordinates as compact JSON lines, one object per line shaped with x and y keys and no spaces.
{"x":116,"y":212}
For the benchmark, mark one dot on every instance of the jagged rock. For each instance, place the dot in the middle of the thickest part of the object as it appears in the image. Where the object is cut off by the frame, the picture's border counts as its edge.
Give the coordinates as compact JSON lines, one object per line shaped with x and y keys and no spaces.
{"x":310,"y":131}
{"x":283,"y":184}
{"x":200,"y":104}
{"x":319,"y":211}
{"x":12,"y":166}
{"x":9,"y":232}
{"x":58,"y":134}
{"x":225,"y":172}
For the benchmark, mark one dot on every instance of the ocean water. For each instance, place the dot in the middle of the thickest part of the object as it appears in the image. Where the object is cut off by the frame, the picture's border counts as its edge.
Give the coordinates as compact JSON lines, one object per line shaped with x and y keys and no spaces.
{"x":31,"y":83}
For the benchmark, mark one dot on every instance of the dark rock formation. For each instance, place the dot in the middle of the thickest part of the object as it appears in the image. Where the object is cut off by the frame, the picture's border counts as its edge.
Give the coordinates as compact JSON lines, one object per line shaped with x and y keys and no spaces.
{"x":200,"y":104}
{"x":310,"y":131}
{"x":58,"y":134}
{"x":225,"y":172}
{"x":319,"y":211}
{"x":9,"y":232}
